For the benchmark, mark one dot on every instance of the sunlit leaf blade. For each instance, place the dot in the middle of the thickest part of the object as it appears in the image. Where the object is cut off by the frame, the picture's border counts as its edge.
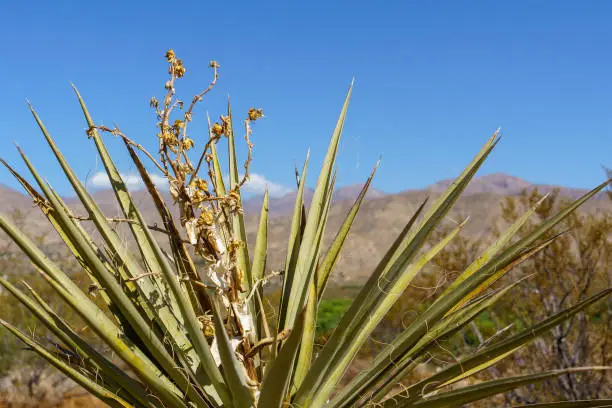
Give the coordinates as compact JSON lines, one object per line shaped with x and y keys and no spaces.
{"x":492,"y":250}
{"x":378,"y":311}
{"x":261,"y":243}
{"x":502,"y":347}
{"x":128,"y":269}
{"x":218,"y":176}
{"x":601,"y":403}
{"x":276,"y":380}
{"x":258,"y":267}
{"x":441,"y":331}
{"x":477,"y":369}
{"x":310,"y":314}
{"x":96,"y":318}
{"x":239,"y":230}
{"x":304,"y":266}
{"x":126,"y":203}
{"x":139,"y":277}
{"x":445,"y":202}
{"x":248,"y":314}
{"x":495,"y":276}
{"x":233,"y":370}
{"x":408,"y":365}
{"x":107,"y":396}
{"x":390,"y":270}
{"x":219,"y":184}
{"x":86,"y":353}
{"x":126,"y":265}
{"x":104,"y":257}
{"x":294,"y":242}
{"x":48,"y":212}
{"x":217,"y":387}
{"x":551,"y":222}
{"x":304,"y":361}
{"x":185,"y":265}
{"x":329,"y":262}
{"x":128,"y":308}
{"x":410,"y":336}
{"x":487,"y":389}
{"x":341,"y":334}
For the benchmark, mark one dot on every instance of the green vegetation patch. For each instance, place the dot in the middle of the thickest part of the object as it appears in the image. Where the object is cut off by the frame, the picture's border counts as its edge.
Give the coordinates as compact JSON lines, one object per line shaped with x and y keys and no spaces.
{"x":329,"y":314}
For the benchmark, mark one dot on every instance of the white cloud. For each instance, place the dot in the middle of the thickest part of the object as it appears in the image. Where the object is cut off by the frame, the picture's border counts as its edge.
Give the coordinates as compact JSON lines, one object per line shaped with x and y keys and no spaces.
{"x":257,"y":185}
{"x":131,"y":180}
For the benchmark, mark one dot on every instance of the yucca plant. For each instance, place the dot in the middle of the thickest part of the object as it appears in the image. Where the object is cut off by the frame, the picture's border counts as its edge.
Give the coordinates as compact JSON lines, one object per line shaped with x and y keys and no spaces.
{"x":197,"y":336}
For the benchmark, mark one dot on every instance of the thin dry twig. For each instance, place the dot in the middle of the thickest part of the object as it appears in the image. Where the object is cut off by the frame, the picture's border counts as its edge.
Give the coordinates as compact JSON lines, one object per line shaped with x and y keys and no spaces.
{"x":116,"y":132}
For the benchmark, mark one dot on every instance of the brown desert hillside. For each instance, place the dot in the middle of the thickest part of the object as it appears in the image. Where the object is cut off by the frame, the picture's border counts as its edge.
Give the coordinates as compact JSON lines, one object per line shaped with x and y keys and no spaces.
{"x":381,"y":218}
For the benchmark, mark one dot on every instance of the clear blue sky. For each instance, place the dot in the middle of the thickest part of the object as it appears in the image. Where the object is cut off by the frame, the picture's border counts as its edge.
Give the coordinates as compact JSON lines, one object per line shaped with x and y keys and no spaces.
{"x":433,"y":81}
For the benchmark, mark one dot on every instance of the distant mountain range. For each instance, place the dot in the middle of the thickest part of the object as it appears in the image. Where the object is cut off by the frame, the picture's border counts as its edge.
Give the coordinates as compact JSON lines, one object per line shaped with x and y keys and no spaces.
{"x":497,"y":183}
{"x":504,"y":184}
{"x":285,"y":204}
{"x":381,"y":217}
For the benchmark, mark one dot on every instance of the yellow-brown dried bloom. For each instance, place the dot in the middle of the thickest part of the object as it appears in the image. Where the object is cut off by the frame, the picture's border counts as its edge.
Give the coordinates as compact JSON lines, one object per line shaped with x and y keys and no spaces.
{"x":197,"y":196}
{"x":154,"y":103}
{"x":185,"y":168}
{"x":200,"y":184}
{"x":170,"y":55}
{"x":179,"y":71}
{"x":206,"y":218}
{"x":187,"y":143}
{"x":234,"y":202}
{"x":207,"y":325}
{"x":217,"y":129}
{"x":234,"y":195}
{"x":214,"y":64}
{"x":255,"y":114}
{"x":227,"y":124}
{"x":234,"y":245}
{"x":238,"y":278}
{"x":169,"y":138}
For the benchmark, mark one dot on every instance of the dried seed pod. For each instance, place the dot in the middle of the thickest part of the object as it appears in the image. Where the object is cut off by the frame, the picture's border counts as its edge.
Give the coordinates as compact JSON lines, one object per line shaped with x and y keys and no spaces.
{"x":179,"y":71}
{"x":206,"y":218}
{"x":255,"y":114}
{"x":170,"y":55}
{"x":187,"y":143}
{"x":154,"y":103}
{"x":217,"y":129}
